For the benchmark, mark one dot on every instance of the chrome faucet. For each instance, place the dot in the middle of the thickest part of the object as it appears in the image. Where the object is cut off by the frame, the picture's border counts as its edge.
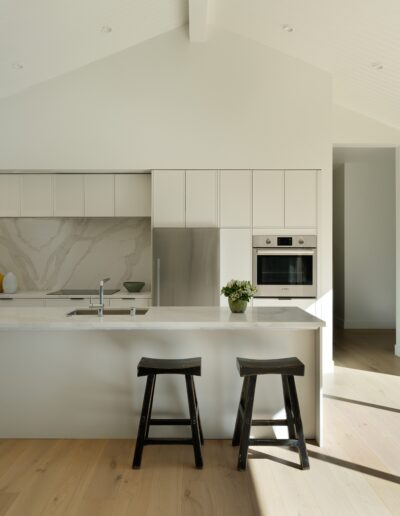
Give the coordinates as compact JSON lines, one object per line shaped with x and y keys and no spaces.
{"x":100,"y":305}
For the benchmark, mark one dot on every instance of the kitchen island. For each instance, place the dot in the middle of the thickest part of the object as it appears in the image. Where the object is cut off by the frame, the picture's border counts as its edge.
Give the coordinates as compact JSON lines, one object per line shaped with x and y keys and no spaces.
{"x":75,"y":377}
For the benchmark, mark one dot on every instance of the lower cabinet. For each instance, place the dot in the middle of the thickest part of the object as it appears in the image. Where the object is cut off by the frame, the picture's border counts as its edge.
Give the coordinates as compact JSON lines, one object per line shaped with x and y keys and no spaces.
{"x":309,"y":305}
{"x":130,"y":302}
{"x":17,"y":301}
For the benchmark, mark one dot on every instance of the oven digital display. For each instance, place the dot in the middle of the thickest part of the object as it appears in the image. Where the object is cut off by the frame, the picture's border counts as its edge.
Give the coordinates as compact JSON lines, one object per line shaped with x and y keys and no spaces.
{"x":285,"y":241}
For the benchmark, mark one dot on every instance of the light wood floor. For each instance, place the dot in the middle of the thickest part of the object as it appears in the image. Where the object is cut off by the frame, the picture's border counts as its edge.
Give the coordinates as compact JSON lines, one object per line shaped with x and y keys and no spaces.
{"x":357,"y":472}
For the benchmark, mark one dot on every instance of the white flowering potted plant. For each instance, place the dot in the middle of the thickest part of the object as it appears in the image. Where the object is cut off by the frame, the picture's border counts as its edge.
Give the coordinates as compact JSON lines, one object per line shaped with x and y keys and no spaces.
{"x":239,"y":294}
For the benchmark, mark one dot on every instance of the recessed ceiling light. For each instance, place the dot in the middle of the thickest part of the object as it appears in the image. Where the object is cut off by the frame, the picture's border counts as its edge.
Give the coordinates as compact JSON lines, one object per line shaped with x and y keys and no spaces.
{"x":106,"y":29}
{"x":377,"y":65}
{"x":287,"y":28}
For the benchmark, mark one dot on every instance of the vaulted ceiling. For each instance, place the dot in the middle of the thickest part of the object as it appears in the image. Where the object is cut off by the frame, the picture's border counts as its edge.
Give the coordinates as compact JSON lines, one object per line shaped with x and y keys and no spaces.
{"x":358,"y":41}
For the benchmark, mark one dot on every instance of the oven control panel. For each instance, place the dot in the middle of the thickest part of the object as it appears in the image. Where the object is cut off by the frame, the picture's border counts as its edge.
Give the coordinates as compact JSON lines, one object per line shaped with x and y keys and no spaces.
{"x":309,"y":241}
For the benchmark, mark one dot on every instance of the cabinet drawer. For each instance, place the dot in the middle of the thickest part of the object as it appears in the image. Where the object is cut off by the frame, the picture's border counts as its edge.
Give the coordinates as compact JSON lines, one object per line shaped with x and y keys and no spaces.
{"x":15,"y":302}
{"x":69,"y":303}
{"x":130,"y":302}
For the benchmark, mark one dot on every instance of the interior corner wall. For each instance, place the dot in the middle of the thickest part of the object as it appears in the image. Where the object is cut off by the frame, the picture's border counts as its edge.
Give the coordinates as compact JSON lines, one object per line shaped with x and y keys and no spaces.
{"x":364,"y":219}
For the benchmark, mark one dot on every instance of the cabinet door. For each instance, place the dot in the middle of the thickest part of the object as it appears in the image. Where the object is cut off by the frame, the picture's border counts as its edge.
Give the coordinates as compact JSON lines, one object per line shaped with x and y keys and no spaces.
{"x":99,"y":195}
{"x":300,"y":198}
{"x":169,"y":198}
{"x":68,"y":195}
{"x":268,"y":198}
{"x":132,"y":195}
{"x":235,"y":198}
{"x":36,"y":195}
{"x":10,"y":195}
{"x":70,"y":302}
{"x":235,"y":256}
{"x":201,"y":198}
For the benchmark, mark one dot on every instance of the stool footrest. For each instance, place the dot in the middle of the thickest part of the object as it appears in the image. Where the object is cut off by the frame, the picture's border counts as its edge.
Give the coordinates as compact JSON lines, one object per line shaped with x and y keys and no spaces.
{"x":269,"y":422}
{"x":274,"y":442}
{"x":167,"y":440}
{"x":160,"y":422}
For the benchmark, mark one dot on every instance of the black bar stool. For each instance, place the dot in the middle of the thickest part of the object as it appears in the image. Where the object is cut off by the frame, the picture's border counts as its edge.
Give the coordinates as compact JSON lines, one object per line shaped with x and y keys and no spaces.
{"x":288,"y":368}
{"x":151,"y":367}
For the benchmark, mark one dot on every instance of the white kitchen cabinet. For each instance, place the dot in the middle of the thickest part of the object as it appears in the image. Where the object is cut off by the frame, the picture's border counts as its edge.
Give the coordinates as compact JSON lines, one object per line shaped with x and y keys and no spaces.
{"x":128,"y":302}
{"x":10,"y":195}
{"x":68,"y":195}
{"x":132,"y":195}
{"x":236,"y":198}
{"x":70,"y":302}
{"x":309,"y":305}
{"x":18,"y":301}
{"x":268,"y":198}
{"x":36,"y":195}
{"x":168,"y":198}
{"x":235,"y":257}
{"x":99,"y":195}
{"x":300,"y":198}
{"x":201,"y":198}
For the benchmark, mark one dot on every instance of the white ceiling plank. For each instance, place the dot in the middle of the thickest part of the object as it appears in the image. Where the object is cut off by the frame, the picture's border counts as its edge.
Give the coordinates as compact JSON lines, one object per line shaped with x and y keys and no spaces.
{"x":198,"y":18}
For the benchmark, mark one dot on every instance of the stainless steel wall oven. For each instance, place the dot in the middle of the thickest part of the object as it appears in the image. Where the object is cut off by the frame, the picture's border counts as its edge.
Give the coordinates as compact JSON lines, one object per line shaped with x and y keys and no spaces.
{"x":285,"y":266}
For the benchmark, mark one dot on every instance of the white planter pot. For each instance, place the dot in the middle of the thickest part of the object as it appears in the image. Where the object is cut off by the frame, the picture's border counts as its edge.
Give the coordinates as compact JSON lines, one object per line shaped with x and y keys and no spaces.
{"x":10,"y":283}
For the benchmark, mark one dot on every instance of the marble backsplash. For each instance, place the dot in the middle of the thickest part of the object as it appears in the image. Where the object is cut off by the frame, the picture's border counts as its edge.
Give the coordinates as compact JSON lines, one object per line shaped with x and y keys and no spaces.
{"x":49,"y":254}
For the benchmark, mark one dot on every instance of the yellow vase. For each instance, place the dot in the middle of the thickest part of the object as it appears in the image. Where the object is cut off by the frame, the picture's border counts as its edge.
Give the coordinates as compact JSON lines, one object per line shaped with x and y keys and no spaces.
{"x":1,"y":282}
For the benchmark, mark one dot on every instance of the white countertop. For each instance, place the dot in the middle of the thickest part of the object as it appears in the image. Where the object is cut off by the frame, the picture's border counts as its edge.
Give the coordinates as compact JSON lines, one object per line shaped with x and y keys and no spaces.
{"x":161,"y":318}
{"x":43,"y":294}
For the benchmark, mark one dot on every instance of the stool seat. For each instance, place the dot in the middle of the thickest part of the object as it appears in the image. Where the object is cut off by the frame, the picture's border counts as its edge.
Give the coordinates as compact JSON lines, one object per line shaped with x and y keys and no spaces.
{"x":190,"y":366}
{"x":284,"y":366}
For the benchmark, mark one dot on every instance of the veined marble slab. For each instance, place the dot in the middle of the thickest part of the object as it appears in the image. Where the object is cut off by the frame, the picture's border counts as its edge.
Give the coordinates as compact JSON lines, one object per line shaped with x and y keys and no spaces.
{"x":161,"y":318}
{"x":51,"y":254}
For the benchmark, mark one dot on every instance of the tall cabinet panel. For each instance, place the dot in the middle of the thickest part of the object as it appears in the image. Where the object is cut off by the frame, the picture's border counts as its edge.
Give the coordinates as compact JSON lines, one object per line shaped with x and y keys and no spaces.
{"x":169,"y":198}
{"x":99,"y":195}
{"x":68,"y":195}
{"x":235,"y":256}
{"x":268,"y":198}
{"x":10,"y":196}
{"x":36,"y":195}
{"x":236,"y":198}
{"x":301,"y":198}
{"x":201,"y":198}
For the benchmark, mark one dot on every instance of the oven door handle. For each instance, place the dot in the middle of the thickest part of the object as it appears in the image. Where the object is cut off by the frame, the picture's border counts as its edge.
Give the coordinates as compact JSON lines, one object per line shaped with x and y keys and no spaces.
{"x":287,"y":252}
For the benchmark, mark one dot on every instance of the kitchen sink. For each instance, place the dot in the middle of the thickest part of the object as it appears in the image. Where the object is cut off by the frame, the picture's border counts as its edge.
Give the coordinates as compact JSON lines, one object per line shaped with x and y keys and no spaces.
{"x":109,"y":311}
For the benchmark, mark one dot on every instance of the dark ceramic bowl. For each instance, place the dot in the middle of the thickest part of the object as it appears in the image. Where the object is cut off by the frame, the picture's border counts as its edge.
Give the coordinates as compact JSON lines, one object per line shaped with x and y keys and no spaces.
{"x":134,"y":286}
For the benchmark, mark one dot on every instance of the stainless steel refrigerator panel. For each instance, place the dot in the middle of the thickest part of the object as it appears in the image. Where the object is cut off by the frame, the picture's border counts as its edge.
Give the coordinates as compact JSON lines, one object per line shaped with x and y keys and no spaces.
{"x":186,"y":267}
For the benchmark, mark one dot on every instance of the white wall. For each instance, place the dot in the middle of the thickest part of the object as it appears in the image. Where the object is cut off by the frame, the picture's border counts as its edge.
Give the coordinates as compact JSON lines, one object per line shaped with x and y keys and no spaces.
{"x":364,"y":238}
{"x":229,"y":103}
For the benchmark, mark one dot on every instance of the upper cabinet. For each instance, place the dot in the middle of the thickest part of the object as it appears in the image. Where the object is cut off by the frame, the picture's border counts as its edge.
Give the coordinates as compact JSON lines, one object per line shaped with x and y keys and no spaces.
{"x":268,"y":198}
{"x":10,"y":197}
{"x":300,"y":198}
{"x":36,"y":195}
{"x":236,"y":198}
{"x":201,"y":198}
{"x":68,"y":195}
{"x":99,"y":195}
{"x":75,"y":195}
{"x":132,"y":195}
{"x":169,"y":198}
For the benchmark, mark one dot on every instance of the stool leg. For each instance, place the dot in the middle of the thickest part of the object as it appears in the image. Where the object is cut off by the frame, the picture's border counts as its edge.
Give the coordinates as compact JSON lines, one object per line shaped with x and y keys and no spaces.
{"x":194,"y":422}
{"x":298,"y":423}
{"x":153,"y":384}
{"x":198,"y":413}
{"x":239,"y":418}
{"x":246,"y":425}
{"x":145,"y":416}
{"x":288,"y":407}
